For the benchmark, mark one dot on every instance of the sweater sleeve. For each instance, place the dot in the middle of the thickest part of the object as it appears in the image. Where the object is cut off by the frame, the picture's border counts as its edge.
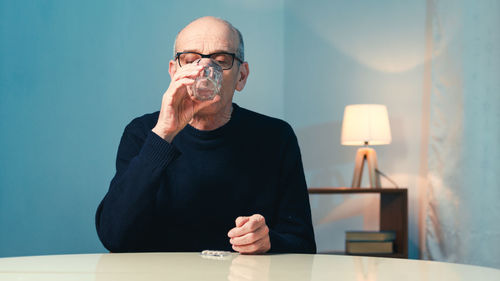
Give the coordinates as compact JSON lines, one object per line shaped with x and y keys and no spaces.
{"x":125,"y":217}
{"x":293,"y":231}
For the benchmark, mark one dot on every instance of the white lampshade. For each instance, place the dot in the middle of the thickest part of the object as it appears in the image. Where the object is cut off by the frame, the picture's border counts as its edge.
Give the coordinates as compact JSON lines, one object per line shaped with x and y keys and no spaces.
{"x":365,"y":124}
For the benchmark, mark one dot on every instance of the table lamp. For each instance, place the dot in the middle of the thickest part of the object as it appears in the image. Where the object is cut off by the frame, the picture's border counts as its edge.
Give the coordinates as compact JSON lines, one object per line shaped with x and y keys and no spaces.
{"x":365,"y":124}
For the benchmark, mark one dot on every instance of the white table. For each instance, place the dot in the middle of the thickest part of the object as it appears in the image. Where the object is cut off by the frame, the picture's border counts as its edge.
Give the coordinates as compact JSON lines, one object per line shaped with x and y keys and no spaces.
{"x":192,"y":266}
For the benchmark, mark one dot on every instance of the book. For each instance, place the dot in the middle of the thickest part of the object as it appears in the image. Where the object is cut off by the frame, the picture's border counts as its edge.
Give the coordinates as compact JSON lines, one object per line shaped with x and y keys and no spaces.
{"x":385,"y":247}
{"x":376,"y":236}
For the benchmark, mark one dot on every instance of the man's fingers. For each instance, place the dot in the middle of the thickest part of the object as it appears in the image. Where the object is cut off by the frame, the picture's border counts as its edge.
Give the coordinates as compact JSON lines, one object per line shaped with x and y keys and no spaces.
{"x":175,"y":87}
{"x":251,"y":237}
{"x":174,"y":95}
{"x":188,"y":72}
{"x":184,"y":82}
{"x":240,"y":221}
{"x":253,"y":223}
{"x":187,"y":69}
{"x":261,"y":246}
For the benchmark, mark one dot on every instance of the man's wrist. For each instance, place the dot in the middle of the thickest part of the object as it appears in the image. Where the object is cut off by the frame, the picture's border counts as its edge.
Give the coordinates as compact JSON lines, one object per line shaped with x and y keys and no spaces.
{"x":168,"y":136}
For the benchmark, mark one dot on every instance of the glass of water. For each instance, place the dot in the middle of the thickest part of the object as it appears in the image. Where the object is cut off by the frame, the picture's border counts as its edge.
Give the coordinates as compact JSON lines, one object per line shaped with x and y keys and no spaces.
{"x":208,"y":84}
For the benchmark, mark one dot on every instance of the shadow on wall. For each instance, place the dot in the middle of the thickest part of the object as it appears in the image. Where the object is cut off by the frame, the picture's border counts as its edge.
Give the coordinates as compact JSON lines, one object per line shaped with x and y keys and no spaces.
{"x":327,"y":160}
{"x":385,"y":35}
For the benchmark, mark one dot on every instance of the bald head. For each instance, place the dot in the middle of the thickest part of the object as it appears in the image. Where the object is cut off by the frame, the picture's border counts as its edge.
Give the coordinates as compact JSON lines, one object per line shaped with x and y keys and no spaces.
{"x":210,"y":27}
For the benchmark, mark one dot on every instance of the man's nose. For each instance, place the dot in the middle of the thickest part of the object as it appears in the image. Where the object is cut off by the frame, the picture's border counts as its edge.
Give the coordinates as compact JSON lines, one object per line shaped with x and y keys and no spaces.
{"x":205,"y":62}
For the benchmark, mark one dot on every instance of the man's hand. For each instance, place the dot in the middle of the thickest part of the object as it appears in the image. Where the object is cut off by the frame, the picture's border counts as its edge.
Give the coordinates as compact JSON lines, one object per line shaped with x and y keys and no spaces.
{"x":251,"y":235}
{"x":178,"y":106}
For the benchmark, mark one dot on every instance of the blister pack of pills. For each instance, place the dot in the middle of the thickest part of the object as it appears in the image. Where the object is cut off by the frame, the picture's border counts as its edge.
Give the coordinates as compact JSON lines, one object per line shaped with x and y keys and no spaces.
{"x":215,"y":254}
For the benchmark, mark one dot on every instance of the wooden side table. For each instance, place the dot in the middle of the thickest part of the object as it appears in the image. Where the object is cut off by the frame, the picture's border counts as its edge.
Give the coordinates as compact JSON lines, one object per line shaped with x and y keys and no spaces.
{"x":393,"y":212}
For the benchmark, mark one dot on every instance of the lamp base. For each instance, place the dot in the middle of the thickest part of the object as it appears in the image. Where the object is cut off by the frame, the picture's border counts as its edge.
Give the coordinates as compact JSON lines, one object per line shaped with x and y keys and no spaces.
{"x":368,"y":154}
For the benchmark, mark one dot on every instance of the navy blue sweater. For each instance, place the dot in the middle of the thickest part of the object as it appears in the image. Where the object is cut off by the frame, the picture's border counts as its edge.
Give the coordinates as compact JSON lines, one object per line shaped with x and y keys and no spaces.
{"x":185,"y":196}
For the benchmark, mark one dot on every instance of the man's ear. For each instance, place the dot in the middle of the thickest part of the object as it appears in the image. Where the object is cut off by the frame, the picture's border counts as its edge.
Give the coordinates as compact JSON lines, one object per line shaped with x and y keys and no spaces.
{"x":172,"y":68}
{"x":242,"y":76}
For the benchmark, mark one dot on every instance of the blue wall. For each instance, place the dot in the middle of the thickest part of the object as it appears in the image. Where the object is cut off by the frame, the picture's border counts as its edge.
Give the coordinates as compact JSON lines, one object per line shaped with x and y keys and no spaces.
{"x":72,"y":75}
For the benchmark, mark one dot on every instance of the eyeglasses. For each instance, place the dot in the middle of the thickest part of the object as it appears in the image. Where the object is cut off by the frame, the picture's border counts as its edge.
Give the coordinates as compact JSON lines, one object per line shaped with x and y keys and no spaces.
{"x":225,"y":60}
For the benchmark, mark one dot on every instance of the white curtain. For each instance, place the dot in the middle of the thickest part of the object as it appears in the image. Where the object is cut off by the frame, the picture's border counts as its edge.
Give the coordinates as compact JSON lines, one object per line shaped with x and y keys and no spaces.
{"x":461,"y":210}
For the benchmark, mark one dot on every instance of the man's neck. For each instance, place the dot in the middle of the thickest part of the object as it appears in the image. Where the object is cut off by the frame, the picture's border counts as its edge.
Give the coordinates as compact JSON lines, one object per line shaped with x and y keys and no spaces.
{"x":212,"y":121}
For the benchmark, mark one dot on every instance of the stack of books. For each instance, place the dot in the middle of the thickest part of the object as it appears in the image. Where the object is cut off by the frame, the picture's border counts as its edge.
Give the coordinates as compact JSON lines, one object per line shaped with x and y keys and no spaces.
{"x":369,"y":242}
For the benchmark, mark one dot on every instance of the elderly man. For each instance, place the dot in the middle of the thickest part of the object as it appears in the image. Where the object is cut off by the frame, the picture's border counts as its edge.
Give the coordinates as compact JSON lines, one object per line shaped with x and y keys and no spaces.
{"x":207,"y":174}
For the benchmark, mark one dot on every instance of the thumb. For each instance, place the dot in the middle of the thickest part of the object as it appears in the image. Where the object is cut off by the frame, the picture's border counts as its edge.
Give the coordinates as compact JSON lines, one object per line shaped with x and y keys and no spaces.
{"x":241,"y":221}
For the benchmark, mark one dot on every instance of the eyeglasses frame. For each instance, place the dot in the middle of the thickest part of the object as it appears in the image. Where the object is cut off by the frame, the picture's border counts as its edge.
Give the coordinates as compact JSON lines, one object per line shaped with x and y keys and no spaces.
{"x":209,"y":56}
